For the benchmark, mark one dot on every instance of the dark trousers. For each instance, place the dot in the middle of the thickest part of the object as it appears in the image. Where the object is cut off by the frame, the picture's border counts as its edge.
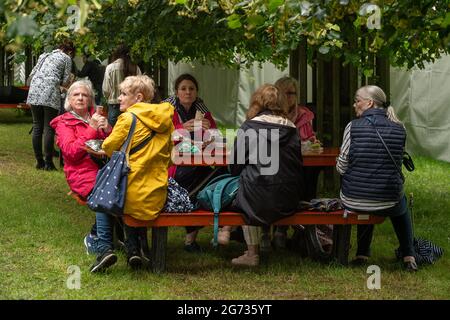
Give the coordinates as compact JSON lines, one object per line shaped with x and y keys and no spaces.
{"x":113,"y":113}
{"x":42,"y":116}
{"x":135,"y":240}
{"x":401,"y":221}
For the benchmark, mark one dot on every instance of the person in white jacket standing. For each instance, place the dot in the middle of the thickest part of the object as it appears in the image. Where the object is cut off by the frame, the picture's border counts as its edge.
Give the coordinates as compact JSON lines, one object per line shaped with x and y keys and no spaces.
{"x":120,"y":68}
{"x":51,"y":71}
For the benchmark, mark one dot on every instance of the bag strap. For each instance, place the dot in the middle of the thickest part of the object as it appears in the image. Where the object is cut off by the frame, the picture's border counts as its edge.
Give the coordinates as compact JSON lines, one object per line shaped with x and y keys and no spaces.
{"x":203,"y":183}
{"x":218,"y":178}
{"x":143,"y":143}
{"x":387,"y":149}
{"x":37,"y":68}
{"x":217,"y":202}
{"x":124,"y":147}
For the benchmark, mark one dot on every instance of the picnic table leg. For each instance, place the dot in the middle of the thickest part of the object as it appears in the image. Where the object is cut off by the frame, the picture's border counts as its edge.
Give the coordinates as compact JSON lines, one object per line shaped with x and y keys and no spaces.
{"x":159,"y":246}
{"x":341,"y":243}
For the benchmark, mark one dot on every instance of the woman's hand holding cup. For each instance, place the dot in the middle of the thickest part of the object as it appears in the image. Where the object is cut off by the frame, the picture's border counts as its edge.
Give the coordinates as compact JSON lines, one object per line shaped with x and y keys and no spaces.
{"x":98,"y":122}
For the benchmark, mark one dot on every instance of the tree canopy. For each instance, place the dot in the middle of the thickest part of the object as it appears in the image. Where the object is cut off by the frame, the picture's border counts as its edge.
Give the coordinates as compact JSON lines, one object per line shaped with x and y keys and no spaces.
{"x":233,"y":32}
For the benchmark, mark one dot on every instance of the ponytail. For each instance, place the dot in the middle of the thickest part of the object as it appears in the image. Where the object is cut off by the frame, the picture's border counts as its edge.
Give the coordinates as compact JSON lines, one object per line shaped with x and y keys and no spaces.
{"x":392,"y":116}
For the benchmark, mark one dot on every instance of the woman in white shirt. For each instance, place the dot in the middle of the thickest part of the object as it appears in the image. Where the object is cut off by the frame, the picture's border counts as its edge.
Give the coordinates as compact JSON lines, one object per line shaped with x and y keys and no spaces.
{"x":120,"y":68}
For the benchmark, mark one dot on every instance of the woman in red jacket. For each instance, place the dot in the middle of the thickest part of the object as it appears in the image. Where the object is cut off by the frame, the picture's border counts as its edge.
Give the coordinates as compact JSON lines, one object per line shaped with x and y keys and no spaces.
{"x":79,"y":124}
{"x":189,"y":108}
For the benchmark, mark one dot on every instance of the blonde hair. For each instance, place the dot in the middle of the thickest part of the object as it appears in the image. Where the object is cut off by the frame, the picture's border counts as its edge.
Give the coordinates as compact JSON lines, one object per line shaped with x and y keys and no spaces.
{"x":268,"y":98}
{"x":139,"y":84}
{"x":80,"y":83}
{"x":286,"y":82}
{"x":377,"y":95}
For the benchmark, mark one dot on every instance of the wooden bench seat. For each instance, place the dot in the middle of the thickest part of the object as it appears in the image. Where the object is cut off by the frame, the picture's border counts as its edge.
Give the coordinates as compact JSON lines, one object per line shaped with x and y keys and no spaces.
{"x":206,"y":218}
{"x":342,"y":221}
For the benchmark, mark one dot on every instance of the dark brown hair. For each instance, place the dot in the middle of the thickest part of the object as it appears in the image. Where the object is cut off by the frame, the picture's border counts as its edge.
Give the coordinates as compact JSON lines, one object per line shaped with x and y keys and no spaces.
{"x":123,"y":52}
{"x":67,"y":47}
{"x":185,"y":76}
{"x":268,"y":98}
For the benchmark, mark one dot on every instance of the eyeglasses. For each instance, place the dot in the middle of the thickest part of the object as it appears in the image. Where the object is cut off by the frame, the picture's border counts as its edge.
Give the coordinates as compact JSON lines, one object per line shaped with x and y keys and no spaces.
{"x":291,"y":93}
{"x":359,"y":99}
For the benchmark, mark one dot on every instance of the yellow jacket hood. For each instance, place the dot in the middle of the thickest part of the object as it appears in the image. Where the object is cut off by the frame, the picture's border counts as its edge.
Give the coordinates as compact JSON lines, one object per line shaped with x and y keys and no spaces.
{"x":157,"y":117}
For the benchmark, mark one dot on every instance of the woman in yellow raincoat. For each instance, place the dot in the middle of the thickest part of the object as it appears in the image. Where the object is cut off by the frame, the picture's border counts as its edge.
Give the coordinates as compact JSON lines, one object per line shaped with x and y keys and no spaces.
{"x":148,"y":175}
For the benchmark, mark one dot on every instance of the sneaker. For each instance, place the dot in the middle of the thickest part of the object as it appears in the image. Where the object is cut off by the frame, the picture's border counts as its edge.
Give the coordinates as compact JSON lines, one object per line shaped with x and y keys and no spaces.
{"x":135,"y":261}
{"x":246,"y":260}
{"x":279,"y":240}
{"x":410,"y":266}
{"x":40,"y":165}
{"x":49,"y":166}
{"x":264,"y":244}
{"x":104,"y":261}
{"x":90,"y":242}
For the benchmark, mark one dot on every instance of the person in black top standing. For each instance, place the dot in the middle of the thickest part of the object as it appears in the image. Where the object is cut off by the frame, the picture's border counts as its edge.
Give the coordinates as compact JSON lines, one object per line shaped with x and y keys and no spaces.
{"x":95,"y":71}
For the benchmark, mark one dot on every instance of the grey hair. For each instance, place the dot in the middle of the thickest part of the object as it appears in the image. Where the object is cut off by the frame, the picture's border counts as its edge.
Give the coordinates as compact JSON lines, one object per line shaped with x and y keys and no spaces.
{"x":80,"y":83}
{"x":377,"y":95}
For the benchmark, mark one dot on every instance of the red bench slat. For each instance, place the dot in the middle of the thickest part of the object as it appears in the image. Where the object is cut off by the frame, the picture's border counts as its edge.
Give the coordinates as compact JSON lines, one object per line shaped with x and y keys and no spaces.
{"x":206,"y":218}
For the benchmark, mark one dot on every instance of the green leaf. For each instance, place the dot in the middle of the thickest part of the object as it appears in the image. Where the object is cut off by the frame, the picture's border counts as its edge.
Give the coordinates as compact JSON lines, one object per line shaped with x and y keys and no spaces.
{"x":358,"y":22}
{"x":256,"y":20}
{"x":273,"y":5}
{"x":233,"y":21}
{"x":446,"y":21}
{"x":97,"y":5}
{"x":368,"y":72}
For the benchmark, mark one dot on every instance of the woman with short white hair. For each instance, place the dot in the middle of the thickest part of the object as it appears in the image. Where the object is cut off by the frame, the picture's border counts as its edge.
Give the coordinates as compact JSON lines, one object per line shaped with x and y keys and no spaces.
{"x":79,"y":124}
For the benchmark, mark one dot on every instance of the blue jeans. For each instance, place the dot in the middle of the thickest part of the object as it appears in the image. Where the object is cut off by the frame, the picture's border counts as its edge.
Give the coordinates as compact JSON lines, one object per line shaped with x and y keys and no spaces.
{"x":104,"y":232}
{"x":401,"y":221}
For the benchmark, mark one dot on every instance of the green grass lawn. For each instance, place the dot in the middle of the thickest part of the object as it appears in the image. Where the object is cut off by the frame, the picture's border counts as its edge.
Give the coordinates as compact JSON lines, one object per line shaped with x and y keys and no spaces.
{"x":42,"y":231}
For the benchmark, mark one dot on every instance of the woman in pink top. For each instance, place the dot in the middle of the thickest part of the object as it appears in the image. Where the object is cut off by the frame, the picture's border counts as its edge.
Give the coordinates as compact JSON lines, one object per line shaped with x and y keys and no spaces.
{"x":302,"y":117}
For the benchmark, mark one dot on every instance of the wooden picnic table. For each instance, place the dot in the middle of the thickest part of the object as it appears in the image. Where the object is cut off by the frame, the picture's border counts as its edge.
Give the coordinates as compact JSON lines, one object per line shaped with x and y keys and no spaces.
{"x":326,"y":157}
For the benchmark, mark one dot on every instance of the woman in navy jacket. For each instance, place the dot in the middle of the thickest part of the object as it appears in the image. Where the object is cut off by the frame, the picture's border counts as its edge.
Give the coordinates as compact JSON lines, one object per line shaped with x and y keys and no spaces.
{"x":371,"y":181}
